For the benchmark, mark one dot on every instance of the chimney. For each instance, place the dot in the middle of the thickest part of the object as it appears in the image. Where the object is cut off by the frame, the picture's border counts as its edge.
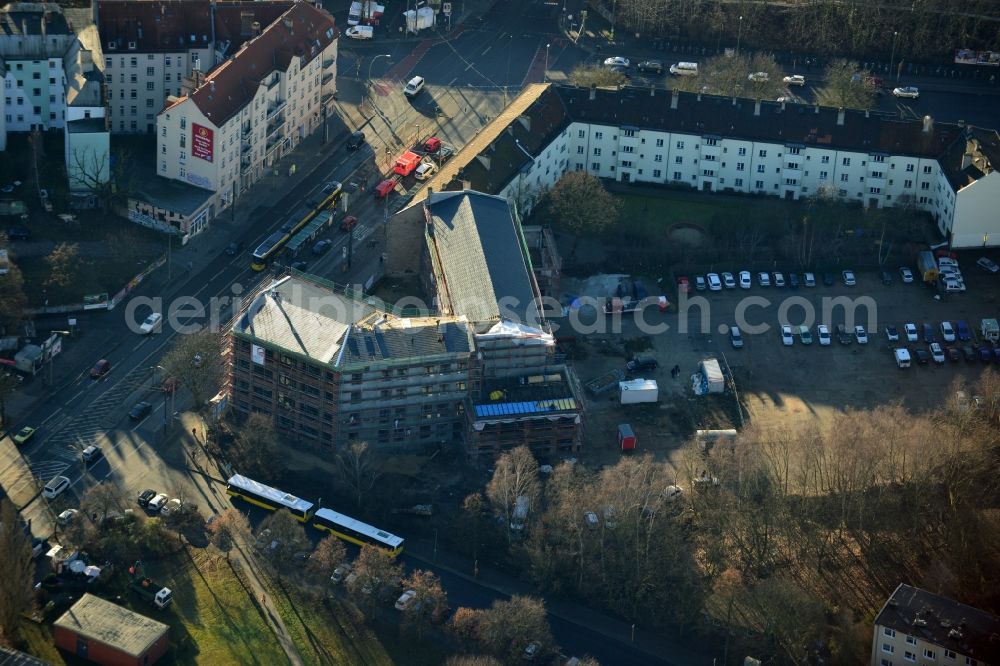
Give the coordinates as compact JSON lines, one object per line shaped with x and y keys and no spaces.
{"x":756,"y":108}
{"x":674,"y":97}
{"x":44,"y":21}
{"x":652,"y":91}
{"x":928,"y":124}
{"x":24,"y":26}
{"x":255,"y":28}
{"x":816,"y":107}
{"x":840,"y":116}
{"x":593,"y":92}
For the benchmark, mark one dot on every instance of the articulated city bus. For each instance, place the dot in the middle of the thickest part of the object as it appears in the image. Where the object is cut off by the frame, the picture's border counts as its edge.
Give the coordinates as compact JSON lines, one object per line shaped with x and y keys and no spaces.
{"x":270,"y":248}
{"x":268,"y":497}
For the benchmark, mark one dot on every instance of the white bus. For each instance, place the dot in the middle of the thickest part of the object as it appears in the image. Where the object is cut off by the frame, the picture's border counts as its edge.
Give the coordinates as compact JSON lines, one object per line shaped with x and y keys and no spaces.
{"x":355,"y":531}
{"x":268,"y":497}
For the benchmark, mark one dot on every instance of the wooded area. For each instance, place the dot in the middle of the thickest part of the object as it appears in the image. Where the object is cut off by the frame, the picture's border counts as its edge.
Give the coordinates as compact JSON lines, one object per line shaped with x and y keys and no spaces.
{"x":791,"y":538}
{"x":929,"y":30}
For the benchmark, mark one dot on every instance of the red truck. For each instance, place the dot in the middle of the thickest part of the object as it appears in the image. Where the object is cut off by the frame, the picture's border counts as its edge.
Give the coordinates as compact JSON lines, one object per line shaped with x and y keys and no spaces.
{"x":407,"y":163}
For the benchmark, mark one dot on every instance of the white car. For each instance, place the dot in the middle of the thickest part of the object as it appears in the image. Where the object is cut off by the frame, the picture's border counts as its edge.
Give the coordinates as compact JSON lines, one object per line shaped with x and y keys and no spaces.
{"x":779,"y":280}
{"x":906,"y":274}
{"x":405,"y":600}
{"x":860,"y":334}
{"x":987,"y":265}
{"x":151,"y":324}
{"x":947,"y":331}
{"x":785,"y":99}
{"x":937,"y":353}
{"x":157,"y":503}
{"x":809,"y":279}
{"x":795,"y":80}
{"x":745,"y":281}
{"x":911,"y":332}
{"x":759,"y":77}
{"x":617,"y":61}
{"x":849,"y":278}
{"x":425,"y":171}
{"x":66,"y":516}
{"x":909,"y":91}
{"x":947,"y":261}
{"x":954,"y":285}
{"x":891,"y":333}
{"x":728,"y":281}
{"x":823,"y":334}
{"x":714,"y":283}
{"x":764,"y":279}
{"x":170,"y":507}
{"x":786,"y":336}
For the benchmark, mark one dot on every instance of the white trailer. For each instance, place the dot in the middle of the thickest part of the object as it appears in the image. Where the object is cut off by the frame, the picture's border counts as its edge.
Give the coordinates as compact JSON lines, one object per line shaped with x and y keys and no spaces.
{"x":639,"y":390}
{"x":421,"y":19}
{"x":713,"y":382}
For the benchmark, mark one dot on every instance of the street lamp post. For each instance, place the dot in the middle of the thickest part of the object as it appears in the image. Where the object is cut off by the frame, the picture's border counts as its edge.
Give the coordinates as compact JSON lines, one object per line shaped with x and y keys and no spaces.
{"x":545,"y":76}
{"x":892,"y":57}
{"x":368,"y":79}
{"x":614,"y":7}
{"x":739,"y":36}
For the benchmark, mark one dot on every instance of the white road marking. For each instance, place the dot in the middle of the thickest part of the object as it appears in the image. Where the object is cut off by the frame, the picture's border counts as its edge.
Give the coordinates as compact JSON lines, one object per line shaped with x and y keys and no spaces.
{"x":486,"y":51}
{"x":73,"y":399}
{"x":53,"y":415}
{"x":452,"y":82}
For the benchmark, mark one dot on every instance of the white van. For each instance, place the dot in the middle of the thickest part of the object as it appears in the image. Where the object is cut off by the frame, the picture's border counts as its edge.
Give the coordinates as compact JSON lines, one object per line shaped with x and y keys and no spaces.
{"x":684,"y":69}
{"x":902,"y":357}
{"x":55,"y":487}
{"x":360,"y":32}
{"x":414,"y":87}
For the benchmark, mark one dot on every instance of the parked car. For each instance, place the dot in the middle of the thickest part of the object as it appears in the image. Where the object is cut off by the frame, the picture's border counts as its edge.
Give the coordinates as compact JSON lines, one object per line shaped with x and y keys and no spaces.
{"x":157,"y":503}
{"x":923,"y":358}
{"x":728,"y":281}
{"x":793,"y":281}
{"x":348,"y":223}
{"x":794,"y":80}
{"x":985,"y":354}
{"x":683,"y":285}
{"x":906,"y":274}
{"x":828,"y":279}
{"x":140,"y":411}
{"x":650,"y":67}
{"x":911,"y":92}
{"x":779,"y":280}
{"x":805,"y":335}
{"x":849,"y":278}
{"x":100,"y":369}
{"x":340,"y":573}
{"x":843,"y":335}
{"x":823,"y":334}
{"x":90,"y":454}
{"x":152,"y":323}
{"x":953,"y":354}
{"x":891,"y":333}
{"x":945,"y":260}
{"x":886,"y":277}
{"x":321,"y":246}
{"x":786,"y":336}
{"x":641,"y":364}
{"x":911,"y":332}
{"x":759,"y":77}
{"x":988,"y":265}
{"x":234,"y":248}
{"x":67,"y":516}
{"x":763,"y":279}
{"x":425,"y":171}
{"x":809,"y":279}
{"x":23,"y":435}
{"x":699,"y":282}
{"x":947,"y":331}
{"x":937,"y":353}
{"x":714,"y":283}
{"x":860,"y":334}
{"x":145,"y":496}
{"x":299,"y":265}
{"x":962,"y":330}
{"x":171,"y":507}
{"x":55,"y":487}
{"x":735,"y":337}
{"x":617,"y":61}
{"x":356,"y":140}
{"x":745,"y":281}
{"x":929,"y":333}
{"x":969,"y":352}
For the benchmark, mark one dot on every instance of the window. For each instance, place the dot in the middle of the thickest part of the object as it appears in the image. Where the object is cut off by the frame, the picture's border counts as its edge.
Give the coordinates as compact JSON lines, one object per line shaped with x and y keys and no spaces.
{"x":708,"y":173}
{"x":762,"y":153}
{"x":628,"y":149}
{"x":741,"y":152}
{"x":656,"y":173}
{"x":759,"y":185}
{"x":874,"y":190}
{"x":132,"y":94}
{"x":969,"y":661}
{"x":595,"y":166}
{"x":658,"y":158}
{"x":949,"y":654}
{"x":885,"y":662}
{"x":793,"y":151}
{"x":887,"y":647}
{"x":598,"y":135}
{"x":579,"y":150}
{"x":167,"y":61}
{"x":626,"y":164}
{"x":909,"y":168}
{"x":878,"y":174}
{"x":793,"y":165}
{"x":825,"y":159}
{"x":822,"y":175}
{"x":678,"y":160}
{"x":680,"y":145}
{"x":36,"y":75}
{"x":132,"y":109}
{"x":580,"y":134}
{"x":149,"y":85}
{"x":659,"y":143}
{"x":597,"y":152}
{"x":629,"y":132}
{"x":711,"y":142}
{"x":739,"y":182}
{"x":844,"y":177}
{"x":760,"y":168}
{"x":791,"y":181}
{"x":925,"y":186}
{"x":927,"y":169}
{"x":909,"y":656}
{"x":149,"y":103}
{"x":184,"y":122}
{"x":929,"y":654}
{"x":36,"y":91}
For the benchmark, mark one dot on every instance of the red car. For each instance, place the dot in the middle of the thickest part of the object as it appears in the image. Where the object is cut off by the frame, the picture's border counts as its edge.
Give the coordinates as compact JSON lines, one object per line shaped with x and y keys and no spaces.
{"x":100,"y":369}
{"x":382,"y":189}
{"x":348,"y":223}
{"x":432,"y":145}
{"x":683,"y":285}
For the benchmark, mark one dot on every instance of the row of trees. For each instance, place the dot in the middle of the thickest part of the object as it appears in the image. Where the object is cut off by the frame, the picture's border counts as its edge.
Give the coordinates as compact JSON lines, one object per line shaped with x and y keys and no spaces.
{"x":927,"y":29}
{"x":793,"y":534}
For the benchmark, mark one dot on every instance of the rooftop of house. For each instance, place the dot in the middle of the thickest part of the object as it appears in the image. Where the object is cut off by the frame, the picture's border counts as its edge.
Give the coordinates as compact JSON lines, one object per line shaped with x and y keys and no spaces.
{"x":304,"y":32}
{"x":178,"y":25}
{"x":539,"y":394}
{"x":478,"y":244}
{"x":943,"y":621}
{"x":510,"y":142}
{"x":86,"y":126}
{"x":166,"y":193}
{"x":28,"y":18}
{"x":312,"y":320}
{"x":11,"y":657}
{"x":111,"y":624}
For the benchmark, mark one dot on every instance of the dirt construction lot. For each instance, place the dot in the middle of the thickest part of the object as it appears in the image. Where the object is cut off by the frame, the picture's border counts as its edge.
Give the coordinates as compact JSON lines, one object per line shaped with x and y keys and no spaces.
{"x":778,"y":385}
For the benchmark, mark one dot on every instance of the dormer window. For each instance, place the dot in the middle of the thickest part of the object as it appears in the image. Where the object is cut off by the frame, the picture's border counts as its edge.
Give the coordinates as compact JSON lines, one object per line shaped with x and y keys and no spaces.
{"x":132,"y":46}
{"x":112,"y":46}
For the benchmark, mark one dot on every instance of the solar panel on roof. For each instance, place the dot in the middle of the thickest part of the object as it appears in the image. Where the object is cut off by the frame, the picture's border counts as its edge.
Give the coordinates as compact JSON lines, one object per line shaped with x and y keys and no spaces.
{"x":380,"y":341}
{"x":446,"y":338}
{"x":352,"y":346}
{"x":370,"y":346}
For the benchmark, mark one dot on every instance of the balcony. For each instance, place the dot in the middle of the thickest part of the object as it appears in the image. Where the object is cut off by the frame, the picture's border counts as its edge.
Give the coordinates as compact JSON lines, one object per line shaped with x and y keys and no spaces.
{"x":272,"y":142}
{"x":246,"y":165}
{"x":273,"y":81}
{"x":246,"y":131}
{"x":246,"y":146}
{"x":329,"y":62}
{"x":327,"y":78}
{"x":275,"y":108}
{"x":274,"y":125}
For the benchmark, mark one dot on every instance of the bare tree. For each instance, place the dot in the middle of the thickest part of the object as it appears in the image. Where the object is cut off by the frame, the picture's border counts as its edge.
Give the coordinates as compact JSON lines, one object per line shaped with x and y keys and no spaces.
{"x":472,"y":508}
{"x":282,"y":538}
{"x":195,"y":360}
{"x":508,"y":627}
{"x":327,"y":556}
{"x":110,"y":177}
{"x":257,"y":447}
{"x":515,"y":476}
{"x":359,"y":469}
{"x":13,"y":300}
{"x":848,"y":86}
{"x":64,"y":265}
{"x":227,"y":528}
{"x":429,"y":602}
{"x":377,"y":575}
{"x":19,"y":571}
{"x":564,"y":203}
{"x":101,"y":501}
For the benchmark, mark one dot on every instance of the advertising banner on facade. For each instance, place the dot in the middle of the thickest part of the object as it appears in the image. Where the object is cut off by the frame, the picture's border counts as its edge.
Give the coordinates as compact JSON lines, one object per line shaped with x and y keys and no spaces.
{"x":970,"y":57}
{"x":202,"y":142}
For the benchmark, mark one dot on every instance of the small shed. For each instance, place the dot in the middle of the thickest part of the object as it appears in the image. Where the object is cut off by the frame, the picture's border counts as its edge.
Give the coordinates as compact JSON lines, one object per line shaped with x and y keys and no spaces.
{"x":626,"y":437}
{"x":105,"y":633}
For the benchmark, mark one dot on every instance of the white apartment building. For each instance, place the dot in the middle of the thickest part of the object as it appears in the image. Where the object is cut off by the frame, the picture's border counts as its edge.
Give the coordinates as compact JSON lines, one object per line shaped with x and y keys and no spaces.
{"x":152,"y":46}
{"x":919,"y":627}
{"x":252,"y":109}
{"x":716,"y":144}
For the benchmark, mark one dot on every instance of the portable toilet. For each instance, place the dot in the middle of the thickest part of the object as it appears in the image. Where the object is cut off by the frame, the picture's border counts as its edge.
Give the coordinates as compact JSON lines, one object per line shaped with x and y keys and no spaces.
{"x":626,"y":438}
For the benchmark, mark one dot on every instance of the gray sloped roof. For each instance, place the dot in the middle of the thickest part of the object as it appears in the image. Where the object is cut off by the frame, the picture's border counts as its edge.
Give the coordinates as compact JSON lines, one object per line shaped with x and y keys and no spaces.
{"x":112,"y":625}
{"x":479,"y":247}
{"x":398,"y":340}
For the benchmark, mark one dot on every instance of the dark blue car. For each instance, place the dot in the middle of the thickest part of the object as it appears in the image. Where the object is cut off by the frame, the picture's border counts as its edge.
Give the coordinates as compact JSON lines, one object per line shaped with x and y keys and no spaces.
{"x":962,"y":330}
{"x":928,"y":333}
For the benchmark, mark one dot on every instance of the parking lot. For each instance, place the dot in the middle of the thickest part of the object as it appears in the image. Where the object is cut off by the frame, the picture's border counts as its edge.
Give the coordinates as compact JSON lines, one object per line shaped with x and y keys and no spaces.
{"x":777,"y":384}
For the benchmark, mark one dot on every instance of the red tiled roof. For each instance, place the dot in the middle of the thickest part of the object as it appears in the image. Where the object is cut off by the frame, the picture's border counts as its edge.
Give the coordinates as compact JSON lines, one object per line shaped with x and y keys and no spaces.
{"x":171,"y":25}
{"x":302,"y":31}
